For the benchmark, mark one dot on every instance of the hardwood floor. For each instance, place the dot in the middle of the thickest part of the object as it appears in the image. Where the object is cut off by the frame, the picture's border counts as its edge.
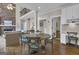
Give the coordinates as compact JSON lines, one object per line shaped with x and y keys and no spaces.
{"x":61,"y":49}
{"x":51,"y":49}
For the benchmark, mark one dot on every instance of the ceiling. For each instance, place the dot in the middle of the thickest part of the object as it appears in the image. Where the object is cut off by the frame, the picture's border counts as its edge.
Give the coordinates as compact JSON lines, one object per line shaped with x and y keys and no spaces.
{"x":44,"y":7}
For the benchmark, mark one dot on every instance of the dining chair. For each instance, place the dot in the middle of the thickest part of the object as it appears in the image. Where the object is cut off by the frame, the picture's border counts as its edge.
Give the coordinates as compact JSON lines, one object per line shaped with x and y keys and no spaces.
{"x":33,"y":48}
{"x":24,"y":42}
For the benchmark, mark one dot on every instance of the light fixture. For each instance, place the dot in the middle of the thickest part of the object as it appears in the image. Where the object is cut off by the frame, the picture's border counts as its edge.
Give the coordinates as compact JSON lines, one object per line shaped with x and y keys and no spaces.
{"x":10,"y":6}
{"x":38,"y":8}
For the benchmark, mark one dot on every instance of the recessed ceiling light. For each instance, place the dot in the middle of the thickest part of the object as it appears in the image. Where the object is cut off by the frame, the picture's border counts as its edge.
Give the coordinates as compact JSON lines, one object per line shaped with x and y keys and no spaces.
{"x":38,"y":7}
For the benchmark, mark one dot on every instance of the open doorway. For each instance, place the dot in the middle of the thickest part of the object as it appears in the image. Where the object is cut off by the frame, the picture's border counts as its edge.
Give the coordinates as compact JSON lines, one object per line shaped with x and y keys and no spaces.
{"x":43,"y":25}
{"x":56,"y":27}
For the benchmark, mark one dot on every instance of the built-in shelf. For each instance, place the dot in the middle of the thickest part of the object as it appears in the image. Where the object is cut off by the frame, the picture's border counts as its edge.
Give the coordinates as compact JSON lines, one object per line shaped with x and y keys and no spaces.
{"x":7,"y":16}
{"x":7,"y":25}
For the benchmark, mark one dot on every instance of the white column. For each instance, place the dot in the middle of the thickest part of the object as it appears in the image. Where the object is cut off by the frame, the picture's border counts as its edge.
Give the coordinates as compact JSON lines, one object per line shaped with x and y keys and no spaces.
{"x":18,"y":22}
{"x":34,"y":21}
{"x":51,"y":25}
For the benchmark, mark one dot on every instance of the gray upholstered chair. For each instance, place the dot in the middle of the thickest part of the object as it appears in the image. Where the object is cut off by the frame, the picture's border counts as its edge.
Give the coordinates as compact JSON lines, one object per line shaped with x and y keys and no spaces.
{"x":72,"y":36}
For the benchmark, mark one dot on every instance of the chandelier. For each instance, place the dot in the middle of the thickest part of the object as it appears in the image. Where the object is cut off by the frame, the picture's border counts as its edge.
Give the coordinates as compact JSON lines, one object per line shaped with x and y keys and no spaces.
{"x":10,"y":7}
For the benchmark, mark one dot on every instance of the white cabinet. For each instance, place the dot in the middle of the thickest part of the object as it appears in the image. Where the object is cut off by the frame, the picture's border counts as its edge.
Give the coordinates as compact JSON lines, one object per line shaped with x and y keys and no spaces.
{"x":76,"y":11}
{"x":69,"y":13}
{"x":63,"y":16}
{"x":63,"y":39}
{"x":72,"y":12}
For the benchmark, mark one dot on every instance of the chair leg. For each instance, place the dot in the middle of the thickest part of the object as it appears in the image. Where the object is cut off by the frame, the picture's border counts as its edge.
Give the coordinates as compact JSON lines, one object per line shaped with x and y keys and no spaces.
{"x":76,"y":44}
{"x":69,"y":42}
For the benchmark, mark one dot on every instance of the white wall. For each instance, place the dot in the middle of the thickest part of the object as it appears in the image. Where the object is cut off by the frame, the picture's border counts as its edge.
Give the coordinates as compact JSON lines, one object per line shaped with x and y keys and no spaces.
{"x":31,"y":15}
{"x":49,"y":16}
